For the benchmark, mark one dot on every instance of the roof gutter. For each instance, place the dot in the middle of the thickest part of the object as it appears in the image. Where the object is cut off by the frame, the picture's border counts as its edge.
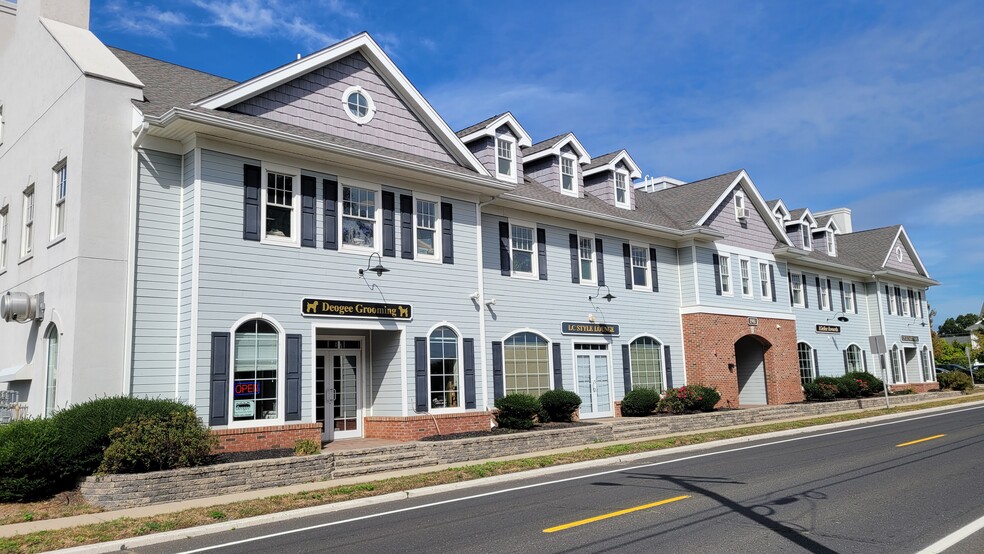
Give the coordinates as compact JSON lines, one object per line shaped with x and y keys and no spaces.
{"x":173,"y":115}
{"x":898,"y":275}
{"x":803,"y":257}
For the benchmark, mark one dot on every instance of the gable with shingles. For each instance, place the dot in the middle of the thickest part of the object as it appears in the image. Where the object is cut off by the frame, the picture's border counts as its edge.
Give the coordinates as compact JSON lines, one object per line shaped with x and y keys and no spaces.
{"x":753,"y":233}
{"x":906,"y":263}
{"x":314,"y":101}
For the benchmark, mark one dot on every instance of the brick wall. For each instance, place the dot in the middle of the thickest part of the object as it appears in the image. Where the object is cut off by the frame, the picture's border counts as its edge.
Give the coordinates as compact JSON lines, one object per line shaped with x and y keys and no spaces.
{"x":710,"y":353}
{"x":265,"y":438}
{"x":416,"y":427}
{"x":918,"y":387}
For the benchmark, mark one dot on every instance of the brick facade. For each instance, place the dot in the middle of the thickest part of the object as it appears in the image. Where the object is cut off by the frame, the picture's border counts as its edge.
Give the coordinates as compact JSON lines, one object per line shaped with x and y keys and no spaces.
{"x":918,"y":387}
{"x":266,"y":438}
{"x":416,"y":427}
{"x":711,"y":355}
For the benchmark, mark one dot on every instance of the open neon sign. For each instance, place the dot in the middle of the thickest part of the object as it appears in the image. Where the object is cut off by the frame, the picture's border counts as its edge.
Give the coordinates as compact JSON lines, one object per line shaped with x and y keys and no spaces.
{"x":246,"y":388}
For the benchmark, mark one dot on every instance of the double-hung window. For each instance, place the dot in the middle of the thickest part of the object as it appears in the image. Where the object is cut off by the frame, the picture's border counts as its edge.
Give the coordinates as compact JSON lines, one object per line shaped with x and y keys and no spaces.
{"x":523,"y":242}
{"x":640,"y":267}
{"x":427,"y":222}
{"x":3,"y":237}
{"x":27,"y":231}
{"x":724,"y":272}
{"x":892,"y":307}
{"x":918,"y":304}
{"x":765,"y":281}
{"x":568,"y":175}
{"x":280,"y":210}
{"x":849,"y":298}
{"x":905,"y":302}
{"x":505,"y":157}
{"x":831,"y":243}
{"x":621,"y":189}
{"x":796,"y":289}
{"x":824,"y":295}
{"x":852,"y":359}
{"x":586,"y":259}
{"x":807,"y":236}
{"x":358,"y":217}
{"x":746,"y":277}
{"x":807,"y":370}
{"x":58,"y":200}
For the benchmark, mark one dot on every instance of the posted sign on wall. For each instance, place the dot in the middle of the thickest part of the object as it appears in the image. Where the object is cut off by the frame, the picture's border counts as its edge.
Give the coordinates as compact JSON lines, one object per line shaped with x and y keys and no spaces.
{"x":350,"y":308}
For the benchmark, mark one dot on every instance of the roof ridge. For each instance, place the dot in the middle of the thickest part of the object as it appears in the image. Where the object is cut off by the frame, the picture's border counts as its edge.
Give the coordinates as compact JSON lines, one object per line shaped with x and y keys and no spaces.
{"x":158,"y":60}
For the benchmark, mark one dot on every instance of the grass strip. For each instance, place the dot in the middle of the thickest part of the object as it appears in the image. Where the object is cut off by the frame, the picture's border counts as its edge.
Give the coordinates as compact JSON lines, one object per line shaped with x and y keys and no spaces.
{"x":124,"y":528}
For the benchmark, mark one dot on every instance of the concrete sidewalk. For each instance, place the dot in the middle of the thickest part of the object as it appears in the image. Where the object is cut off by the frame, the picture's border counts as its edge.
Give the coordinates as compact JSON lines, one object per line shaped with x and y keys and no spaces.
{"x":158,"y":509}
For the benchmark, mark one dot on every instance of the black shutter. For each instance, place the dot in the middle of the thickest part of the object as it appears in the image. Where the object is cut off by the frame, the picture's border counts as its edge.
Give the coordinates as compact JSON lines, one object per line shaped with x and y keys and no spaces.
{"x":292,"y":410}
{"x":912,"y":304}
{"x":541,"y":252}
{"x":864,"y":359}
{"x":772,"y":283}
{"x":309,"y":190}
{"x":406,"y":226}
{"x":558,"y":369}
{"x":919,"y":300}
{"x":669,"y":366}
{"x":806,"y":296}
{"x":717,"y":273}
{"x":789,"y":276}
{"x":627,"y":263}
{"x":820,"y":295}
{"x":846,"y":365}
{"x":468,"y":346}
{"x":447,"y":233}
{"x":898,"y":300}
{"x":218,"y":409}
{"x":251,"y":202}
{"x":652,"y":269}
{"x":600,"y":258}
{"x":626,"y":369}
{"x":498,"y":379}
{"x":816,"y":363}
{"x":504,"y":248}
{"x":854,"y":295}
{"x":389,"y":224}
{"x":330,"y":188}
{"x":830,"y":295}
{"x":575,"y":260}
{"x":843,"y":300}
{"x":420,"y":372}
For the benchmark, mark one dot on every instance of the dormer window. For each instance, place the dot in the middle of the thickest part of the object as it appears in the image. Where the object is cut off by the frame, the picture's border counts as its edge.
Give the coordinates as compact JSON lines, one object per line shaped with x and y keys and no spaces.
{"x":568,"y":175}
{"x":505,"y":158}
{"x":741,"y":212}
{"x":831,"y":244}
{"x":807,"y":237}
{"x":621,"y":189}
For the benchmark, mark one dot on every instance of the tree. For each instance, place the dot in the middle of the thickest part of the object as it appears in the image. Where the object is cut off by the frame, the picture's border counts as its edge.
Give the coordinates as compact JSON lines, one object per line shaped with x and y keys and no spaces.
{"x":948,"y":353}
{"x":954,"y":326}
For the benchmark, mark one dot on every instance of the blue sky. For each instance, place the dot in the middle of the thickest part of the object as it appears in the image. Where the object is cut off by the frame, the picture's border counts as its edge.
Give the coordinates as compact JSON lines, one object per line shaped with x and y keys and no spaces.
{"x":877,"y":106}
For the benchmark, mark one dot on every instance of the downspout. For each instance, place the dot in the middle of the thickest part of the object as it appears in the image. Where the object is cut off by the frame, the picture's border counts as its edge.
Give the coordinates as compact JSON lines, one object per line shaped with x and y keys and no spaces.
{"x":131,"y":264}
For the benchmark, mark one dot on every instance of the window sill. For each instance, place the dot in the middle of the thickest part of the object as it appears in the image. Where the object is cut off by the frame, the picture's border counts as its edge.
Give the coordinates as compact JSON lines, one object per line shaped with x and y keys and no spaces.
{"x":25,"y":258}
{"x":571,"y":193}
{"x":277,"y":242}
{"x":57,"y":240}
{"x":427,"y":259}
{"x":351,"y":249}
{"x":527,"y":276}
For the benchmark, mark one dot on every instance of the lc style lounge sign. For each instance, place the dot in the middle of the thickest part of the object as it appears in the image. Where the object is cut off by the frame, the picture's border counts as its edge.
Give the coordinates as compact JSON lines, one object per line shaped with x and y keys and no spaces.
{"x":574,"y":328}
{"x":349,"y":308}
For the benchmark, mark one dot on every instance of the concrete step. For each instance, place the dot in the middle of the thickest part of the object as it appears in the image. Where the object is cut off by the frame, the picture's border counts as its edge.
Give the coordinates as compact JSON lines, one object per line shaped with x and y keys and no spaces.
{"x":351,"y":471}
{"x":375,"y":459}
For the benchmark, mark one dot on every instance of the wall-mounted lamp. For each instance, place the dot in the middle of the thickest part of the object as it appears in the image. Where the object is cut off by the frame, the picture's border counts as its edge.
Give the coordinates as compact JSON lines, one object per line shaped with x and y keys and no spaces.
{"x":840,"y":318}
{"x":919,"y":323}
{"x":378,"y":269}
{"x":609,"y":296}
{"x":490,"y":302}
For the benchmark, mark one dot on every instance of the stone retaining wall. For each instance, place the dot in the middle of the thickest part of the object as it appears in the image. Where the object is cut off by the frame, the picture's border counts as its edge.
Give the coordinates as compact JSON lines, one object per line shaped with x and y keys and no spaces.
{"x":122,"y":491}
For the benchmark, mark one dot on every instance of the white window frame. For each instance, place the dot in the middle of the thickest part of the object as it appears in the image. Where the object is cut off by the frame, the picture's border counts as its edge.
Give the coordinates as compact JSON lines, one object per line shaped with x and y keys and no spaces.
{"x":765,"y":278}
{"x":59,"y":191}
{"x":505,"y":360}
{"x":741,"y":212}
{"x":281,"y":373}
{"x":906,"y":312}
{"x":4,"y":220}
{"x":590,"y":238}
{"x":807,"y":236}
{"x":436,"y":257}
{"x":459,"y":366}
{"x":893,"y":308}
{"x":377,"y":236}
{"x":724,"y":273}
{"x":898,"y":253}
{"x":624,"y":175}
{"x":745,"y":275}
{"x":646,"y":284}
{"x":28,"y":212}
{"x":794,"y":279}
{"x":370,"y":105}
{"x":295,"y":211}
{"x":500,"y":141}
{"x":52,"y":347}
{"x":898,"y":364}
{"x":917,"y":302}
{"x":662,"y":361}
{"x":573,"y":161}
{"x":825,"y":302}
{"x":814,"y":373}
{"x":534,"y":268}
{"x":850,"y":303}
{"x":831,"y":243}
{"x":2,"y":123}
{"x":859,"y":361}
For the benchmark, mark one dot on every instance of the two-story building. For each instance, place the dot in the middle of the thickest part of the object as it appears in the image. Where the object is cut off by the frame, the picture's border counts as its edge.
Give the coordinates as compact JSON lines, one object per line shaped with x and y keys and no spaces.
{"x":314,"y":251}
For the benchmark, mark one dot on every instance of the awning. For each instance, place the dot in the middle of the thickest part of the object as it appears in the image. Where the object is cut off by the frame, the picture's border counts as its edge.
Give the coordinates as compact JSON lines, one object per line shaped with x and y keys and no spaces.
{"x":20,"y":372}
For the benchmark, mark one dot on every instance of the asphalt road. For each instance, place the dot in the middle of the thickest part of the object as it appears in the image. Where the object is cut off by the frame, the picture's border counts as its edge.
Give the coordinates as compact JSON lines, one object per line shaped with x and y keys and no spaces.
{"x":849,"y":490}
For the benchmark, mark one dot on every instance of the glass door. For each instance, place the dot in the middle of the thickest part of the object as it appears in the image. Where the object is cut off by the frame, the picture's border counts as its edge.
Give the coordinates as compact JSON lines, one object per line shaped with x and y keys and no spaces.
{"x":337,"y":397}
{"x":593,"y":378}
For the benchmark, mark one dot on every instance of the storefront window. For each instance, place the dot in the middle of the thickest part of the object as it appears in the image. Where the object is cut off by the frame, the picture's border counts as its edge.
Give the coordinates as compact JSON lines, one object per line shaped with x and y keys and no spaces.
{"x":444,"y":369}
{"x":807,"y":371}
{"x":256,"y":359}
{"x":646,"y":361}
{"x":527,"y":364}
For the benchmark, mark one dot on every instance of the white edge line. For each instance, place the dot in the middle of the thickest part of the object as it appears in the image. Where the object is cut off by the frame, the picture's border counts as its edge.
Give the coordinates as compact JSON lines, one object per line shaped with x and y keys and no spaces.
{"x":955,"y":537}
{"x":116,"y":546}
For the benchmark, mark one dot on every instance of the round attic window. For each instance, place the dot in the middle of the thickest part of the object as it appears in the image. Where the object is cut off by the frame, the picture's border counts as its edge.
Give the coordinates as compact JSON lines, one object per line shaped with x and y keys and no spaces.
{"x":358,"y":105}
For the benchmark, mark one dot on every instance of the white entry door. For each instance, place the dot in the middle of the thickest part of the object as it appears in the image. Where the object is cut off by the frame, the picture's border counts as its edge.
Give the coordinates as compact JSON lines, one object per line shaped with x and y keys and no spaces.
{"x":339,"y":406}
{"x":593,"y":377}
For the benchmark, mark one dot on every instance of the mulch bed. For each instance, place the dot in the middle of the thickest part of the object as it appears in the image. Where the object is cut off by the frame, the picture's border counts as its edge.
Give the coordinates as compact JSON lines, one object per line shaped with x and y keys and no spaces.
{"x":498,"y":431}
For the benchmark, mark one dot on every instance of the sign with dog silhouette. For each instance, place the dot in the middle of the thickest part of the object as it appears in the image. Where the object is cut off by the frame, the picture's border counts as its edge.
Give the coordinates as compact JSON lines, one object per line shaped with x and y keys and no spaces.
{"x":350,"y":308}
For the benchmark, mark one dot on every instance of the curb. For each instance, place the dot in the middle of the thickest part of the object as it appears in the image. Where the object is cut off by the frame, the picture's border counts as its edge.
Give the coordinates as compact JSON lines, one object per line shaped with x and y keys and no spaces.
{"x":135,"y":542}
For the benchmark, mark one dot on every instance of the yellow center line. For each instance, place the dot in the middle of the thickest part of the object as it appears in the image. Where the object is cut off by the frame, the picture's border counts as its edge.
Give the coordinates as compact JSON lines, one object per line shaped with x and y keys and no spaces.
{"x":613,"y":514}
{"x":920,"y":440}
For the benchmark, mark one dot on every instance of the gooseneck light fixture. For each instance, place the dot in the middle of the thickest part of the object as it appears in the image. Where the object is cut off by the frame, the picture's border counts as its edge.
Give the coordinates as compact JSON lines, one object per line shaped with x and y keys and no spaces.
{"x":841,"y":318}
{"x":608,"y":296}
{"x":378,"y":269}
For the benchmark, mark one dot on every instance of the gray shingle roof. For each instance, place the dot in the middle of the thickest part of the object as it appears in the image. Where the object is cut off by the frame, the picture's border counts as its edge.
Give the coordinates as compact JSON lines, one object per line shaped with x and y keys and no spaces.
{"x":865,"y":249}
{"x":478,"y":126}
{"x":602,"y":160}
{"x":796,"y":214}
{"x":542,"y":145}
{"x":772,"y":203}
{"x":685,"y":204}
{"x":822,"y":220}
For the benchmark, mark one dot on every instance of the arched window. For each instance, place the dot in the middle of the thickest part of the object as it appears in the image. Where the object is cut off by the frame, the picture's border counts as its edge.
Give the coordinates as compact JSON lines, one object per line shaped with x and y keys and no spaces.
{"x":927,"y":366}
{"x":526,"y":364}
{"x":646,"y":363}
{"x":897,"y":374}
{"x":444,"y":380}
{"x":852,"y":359}
{"x":51,"y":375}
{"x":807,"y":359}
{"x":256,"y":367}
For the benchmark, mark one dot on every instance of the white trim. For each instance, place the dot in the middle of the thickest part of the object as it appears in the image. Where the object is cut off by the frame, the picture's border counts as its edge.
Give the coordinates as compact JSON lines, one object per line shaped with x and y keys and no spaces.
{"x":628,"y":187}
{"x":610,"y":408}
{"x":594,"y":259}
{"x":724,"y":261}
{"x":574,"y":191}
{"x":741,"y":210}
{"x":747,"y":252}
{"x":861,"y":354}
{"x":522,"y":137}
{"x":741,"y":278}
{"x":534,"y":273}
{"x":814,"y":361}
{"x":647,"y":285}
{"x":53,"y":235}
{"x":830,"y":295}
{"x":436,"y":257}
{"x":550,"y":361}
{"x":5,"y":236}
{"x":195,"y":278}
{"x":913,"y":255}
{"x":740,"y":312}
{"x":377,"y":235}
{"x":780,"y":211}
{"x":622,"y":156}
{"x":581,"y":155}
{"x":767,"y":278}
{"x":381,"y":62}
{"x":177,"y":295}
{"x":459,"y":339}
{"x":295,"y":210}
{"x":281,"y":373}
{"x":482,"y":332}
{"x":693,"y":265}
{"x":524,"y":330}
{"x":803,"y":293}
{"x":27,"y":250}
{"x":370,"y":105}
{"x":760,"y":205}
{"x":662,"y":357}
{"x":513,"y":175}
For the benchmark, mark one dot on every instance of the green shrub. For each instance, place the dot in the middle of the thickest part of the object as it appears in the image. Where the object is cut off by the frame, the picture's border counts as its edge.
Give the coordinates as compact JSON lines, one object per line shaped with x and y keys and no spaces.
{"x":703,"y":398}
{"x":32,"y":461}
{"x":560,"y":405}
{"x":955,"y":380}
{"x":689,"y":398}
{"x":158,"y":442}
{"x":848,"y":387}
{"x":979,"y":375}
{"x":869,"y":384}
{"x":517,"y":411}
{"x":306,"y":447}
{"x":820,"y":392}
{"x":640,"y":402}
{"x":85,"y":427}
